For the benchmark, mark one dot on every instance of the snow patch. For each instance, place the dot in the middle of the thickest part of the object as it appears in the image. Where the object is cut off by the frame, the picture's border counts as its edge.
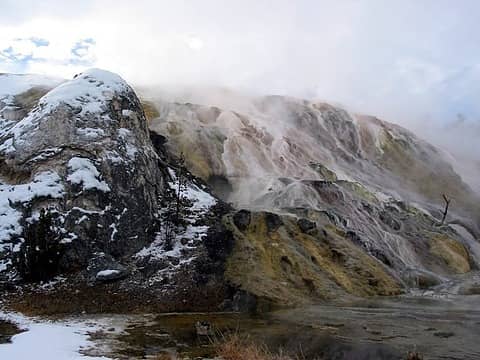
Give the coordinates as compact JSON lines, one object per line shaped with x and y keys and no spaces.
{"x":85,"y":173}
{"x":90,"y":133}
{"x":48,"y":340}
{"x":45,"y":184}
{"x":88,"y":91}
{"x":106,"y":273}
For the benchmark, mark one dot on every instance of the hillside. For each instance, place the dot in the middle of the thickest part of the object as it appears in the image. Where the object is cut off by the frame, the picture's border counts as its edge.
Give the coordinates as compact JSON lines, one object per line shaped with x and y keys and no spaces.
{"x":282,"y":202}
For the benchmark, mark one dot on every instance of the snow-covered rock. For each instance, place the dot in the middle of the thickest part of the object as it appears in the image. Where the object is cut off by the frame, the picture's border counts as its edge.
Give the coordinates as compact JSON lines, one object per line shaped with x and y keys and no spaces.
{"x":84,"y":152}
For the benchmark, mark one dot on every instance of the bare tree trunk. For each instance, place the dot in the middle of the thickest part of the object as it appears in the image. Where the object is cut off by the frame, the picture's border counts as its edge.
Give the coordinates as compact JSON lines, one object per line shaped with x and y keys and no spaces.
{"x":447,"y":203}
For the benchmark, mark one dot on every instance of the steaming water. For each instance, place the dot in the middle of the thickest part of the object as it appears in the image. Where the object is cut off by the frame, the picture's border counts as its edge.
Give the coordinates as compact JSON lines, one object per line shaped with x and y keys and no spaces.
{"x":437,"y":326}
{"x":446,"y":327}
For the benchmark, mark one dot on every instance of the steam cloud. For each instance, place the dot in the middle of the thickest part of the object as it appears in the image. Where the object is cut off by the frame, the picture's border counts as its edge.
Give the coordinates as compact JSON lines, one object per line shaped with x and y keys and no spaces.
{"x":409,"y":62}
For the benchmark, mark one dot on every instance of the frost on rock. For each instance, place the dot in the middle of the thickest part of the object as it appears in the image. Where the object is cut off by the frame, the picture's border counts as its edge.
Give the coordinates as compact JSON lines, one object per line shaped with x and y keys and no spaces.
{"x":84,"y":172}
{"x":45,"y":184}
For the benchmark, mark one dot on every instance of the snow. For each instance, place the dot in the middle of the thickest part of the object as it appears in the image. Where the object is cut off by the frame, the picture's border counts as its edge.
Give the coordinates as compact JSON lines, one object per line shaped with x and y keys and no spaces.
{"x":85,"y":173}
{"x":69,"y":238}
{"x":108,"y":272}
{"x":124,"y":133}
{"x":12,"y":85}
{"x":130,"y":149}
{"x":90,"y":133}
{"x":89,"y":91}
{"x":113,"y":157}
{"x":201,"y":199}
{"x":45,"y":184}
{"x":45,"y":154}
{"x":156,"y":250}
{"x":183,"y":250}
{"x":48,"y":340}
{"x":113,"y":226}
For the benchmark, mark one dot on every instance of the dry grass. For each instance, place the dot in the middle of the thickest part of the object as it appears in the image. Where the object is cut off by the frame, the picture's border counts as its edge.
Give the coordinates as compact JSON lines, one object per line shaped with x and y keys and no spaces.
{"x":164,"y":357}
{"x":238,"y":348}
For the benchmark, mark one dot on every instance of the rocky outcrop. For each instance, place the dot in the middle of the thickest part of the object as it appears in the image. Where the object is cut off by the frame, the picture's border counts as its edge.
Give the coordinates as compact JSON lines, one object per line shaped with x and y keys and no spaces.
{"x":284,"y":265}
{"x":88,"y":190}
{"x":84,"y":153}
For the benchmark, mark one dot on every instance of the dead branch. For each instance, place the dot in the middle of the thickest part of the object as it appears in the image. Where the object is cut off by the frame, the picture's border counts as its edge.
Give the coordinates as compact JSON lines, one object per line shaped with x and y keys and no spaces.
{"x":447,"y":203}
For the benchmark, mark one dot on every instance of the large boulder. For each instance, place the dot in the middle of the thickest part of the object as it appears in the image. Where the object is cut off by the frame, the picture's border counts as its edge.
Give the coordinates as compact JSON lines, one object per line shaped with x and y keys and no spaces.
{"x":83,"y":152}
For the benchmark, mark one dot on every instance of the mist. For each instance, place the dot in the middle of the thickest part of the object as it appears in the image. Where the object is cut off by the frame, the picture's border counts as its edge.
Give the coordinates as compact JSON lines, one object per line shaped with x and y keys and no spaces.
{"x":412,"y":63}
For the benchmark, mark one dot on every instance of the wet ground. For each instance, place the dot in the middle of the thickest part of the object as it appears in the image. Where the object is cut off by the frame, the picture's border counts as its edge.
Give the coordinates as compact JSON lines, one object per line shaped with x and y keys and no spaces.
{"x":446,"y":327}
{"x":438,"y":328}
{"x":7,"y":330}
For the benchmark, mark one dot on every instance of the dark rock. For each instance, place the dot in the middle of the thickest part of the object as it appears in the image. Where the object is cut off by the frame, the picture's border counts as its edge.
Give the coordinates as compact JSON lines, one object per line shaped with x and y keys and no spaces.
{"x":273,"y":221}
{"x":219,"y":242}
{"x":444,"y":334}
{"x":221,"y":186}
{"x":242,"y":219}
{"x":306,"y":225}
{"x":381,"y":256}
{"x":353,"y":237}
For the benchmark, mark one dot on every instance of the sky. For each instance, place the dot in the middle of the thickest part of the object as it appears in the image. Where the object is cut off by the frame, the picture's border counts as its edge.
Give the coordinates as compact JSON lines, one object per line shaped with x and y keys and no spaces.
{"x":412,"y":62}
